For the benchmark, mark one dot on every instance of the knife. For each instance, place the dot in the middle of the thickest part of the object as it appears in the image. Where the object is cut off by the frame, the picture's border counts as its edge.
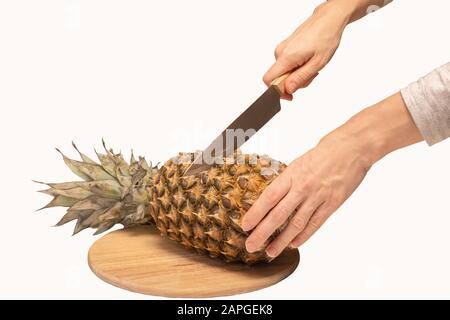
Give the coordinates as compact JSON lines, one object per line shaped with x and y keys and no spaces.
{"x":250,"y":121}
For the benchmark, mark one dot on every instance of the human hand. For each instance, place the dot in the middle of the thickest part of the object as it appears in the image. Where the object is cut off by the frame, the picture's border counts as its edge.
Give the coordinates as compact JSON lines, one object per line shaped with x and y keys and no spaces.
{"x":310,"y":47}
{"x":312,"y":187}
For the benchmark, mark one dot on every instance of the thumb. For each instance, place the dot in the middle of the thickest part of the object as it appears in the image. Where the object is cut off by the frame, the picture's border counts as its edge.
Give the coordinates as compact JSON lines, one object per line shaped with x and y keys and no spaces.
{"x":302,"y":77}
{"x":284,"y":64}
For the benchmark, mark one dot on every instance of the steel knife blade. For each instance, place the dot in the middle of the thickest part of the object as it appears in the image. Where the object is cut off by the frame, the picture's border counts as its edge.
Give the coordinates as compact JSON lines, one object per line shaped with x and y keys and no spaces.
{"x":250,"y":121}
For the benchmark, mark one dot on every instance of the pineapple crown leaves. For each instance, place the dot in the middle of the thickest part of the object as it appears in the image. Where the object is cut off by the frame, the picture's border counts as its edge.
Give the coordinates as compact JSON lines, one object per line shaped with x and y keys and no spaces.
{"x":111,"y":192}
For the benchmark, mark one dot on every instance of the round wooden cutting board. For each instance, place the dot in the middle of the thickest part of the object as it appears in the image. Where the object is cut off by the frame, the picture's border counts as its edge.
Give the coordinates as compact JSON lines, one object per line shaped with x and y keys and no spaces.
{"x":140,"y":260}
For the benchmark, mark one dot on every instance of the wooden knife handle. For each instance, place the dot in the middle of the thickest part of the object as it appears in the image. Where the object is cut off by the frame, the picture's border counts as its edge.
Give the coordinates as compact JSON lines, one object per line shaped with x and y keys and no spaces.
{"x":278,"y":83}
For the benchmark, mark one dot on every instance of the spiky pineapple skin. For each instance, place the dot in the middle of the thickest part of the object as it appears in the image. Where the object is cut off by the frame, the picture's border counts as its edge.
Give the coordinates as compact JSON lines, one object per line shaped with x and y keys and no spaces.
{"x":202,"y":211}
{"x":205,"y":211}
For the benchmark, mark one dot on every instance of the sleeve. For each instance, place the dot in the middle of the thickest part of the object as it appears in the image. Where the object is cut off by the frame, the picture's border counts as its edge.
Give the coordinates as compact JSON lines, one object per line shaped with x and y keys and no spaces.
{"x":428,"y":101}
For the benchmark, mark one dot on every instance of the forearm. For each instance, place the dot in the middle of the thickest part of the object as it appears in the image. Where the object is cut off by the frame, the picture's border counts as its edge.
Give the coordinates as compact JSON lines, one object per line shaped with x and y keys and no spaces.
{"x":378,"y":130}
{"x":353,"y":10}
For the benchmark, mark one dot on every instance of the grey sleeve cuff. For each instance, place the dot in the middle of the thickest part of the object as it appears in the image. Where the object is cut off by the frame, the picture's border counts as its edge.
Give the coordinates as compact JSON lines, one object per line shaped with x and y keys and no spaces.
{"x":428,"y":101}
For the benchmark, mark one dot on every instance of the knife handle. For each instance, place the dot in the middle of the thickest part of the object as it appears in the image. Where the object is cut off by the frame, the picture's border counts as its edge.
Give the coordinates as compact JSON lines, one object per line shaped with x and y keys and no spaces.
{"x":278,"y":83}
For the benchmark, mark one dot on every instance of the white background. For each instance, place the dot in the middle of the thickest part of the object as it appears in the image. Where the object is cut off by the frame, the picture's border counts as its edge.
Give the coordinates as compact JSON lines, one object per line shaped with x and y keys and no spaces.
{"x":167,"y":76}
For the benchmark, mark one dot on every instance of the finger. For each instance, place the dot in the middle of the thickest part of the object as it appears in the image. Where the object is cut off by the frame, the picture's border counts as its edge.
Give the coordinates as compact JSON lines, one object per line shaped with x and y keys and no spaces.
{"x":266,"y":201}
{"x":288,"y":97}
{"x":275,"y":219}
{"x":301,"y":77}
{"x":309,"y":81}
{"x":284,"y":64}
{"x":317,"y":220}
{"x":297,"y":224}
{"x":280,"y":48}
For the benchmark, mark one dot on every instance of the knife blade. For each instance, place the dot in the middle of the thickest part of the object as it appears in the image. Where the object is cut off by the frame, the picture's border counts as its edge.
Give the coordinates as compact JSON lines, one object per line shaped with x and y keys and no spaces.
{"x":241,"y":129}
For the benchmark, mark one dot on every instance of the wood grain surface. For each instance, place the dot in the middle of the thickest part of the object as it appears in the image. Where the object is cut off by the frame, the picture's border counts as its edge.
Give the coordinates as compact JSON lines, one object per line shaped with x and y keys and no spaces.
{"x":140,"y":260}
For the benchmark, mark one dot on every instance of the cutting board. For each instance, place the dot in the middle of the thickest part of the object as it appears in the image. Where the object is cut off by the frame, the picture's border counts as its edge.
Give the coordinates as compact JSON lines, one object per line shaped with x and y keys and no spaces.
{"x":140,"y":260}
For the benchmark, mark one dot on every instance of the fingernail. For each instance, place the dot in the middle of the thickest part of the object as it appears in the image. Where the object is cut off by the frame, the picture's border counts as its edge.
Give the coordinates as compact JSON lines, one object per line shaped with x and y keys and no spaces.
{"x":250,"y":246}
{"x":271,"y":252}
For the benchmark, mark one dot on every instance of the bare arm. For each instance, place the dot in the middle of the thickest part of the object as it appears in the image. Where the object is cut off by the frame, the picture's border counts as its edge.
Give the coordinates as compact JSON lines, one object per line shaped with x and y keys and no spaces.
{"x":360,"y":8}
{"x":312,"y":45}
{"x":316,"y":184}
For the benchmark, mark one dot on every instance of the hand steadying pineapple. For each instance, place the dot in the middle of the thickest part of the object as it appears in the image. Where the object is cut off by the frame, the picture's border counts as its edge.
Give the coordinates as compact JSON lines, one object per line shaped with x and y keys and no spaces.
{"x":203,"y":211}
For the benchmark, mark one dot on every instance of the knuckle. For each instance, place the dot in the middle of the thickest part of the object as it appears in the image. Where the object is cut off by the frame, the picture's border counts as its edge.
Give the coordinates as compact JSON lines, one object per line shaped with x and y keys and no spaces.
{"x":320,"y":8}
{"x":315,"y":223}
{"x":279,"y":51}
{"x":307,"y":186}
{"x":289,"y":56}
{"x":332,"y":204}
{"x":298,"y":222}
{"x":296,"y":242}
{"x":280,"y":214}
{"x":300,"y":78}
{"x":298,"y":194}
{"x":336,"y":199}
{"x":306,"y":234}
{"x":304,"y":85}
{"x":315,"y":66}
{"x":271,"y":198}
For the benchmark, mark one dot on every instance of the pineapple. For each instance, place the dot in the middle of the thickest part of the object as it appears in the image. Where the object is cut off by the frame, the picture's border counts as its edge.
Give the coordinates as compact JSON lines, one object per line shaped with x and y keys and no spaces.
{"x":202,"y":212}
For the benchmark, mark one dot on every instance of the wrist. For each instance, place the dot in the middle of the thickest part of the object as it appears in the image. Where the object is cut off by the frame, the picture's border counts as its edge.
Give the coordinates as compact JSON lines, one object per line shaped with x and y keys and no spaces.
{"x":380,"y":129}
{"x":354,"y":148}
{"x":367,"y":140}
{"x":342,"y":11}
{"x":355,"y":9}
{"x":345,"y":9}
